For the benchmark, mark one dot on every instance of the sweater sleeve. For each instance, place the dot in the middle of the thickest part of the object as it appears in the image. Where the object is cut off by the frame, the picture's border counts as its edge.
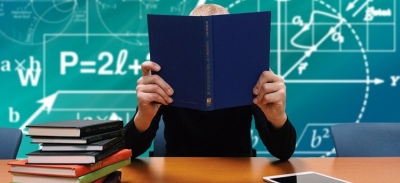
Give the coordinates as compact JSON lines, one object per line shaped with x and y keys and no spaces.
{"x":281,"y":142}
{"x":137,"y":141}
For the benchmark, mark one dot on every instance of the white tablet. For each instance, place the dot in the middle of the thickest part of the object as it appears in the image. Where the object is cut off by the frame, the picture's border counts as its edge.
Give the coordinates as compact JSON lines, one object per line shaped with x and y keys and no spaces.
{"x":302,"y":177}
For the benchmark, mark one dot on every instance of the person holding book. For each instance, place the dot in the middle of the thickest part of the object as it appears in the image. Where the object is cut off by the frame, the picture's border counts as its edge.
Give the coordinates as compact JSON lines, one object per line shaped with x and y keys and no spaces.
{"x":217,"y":133}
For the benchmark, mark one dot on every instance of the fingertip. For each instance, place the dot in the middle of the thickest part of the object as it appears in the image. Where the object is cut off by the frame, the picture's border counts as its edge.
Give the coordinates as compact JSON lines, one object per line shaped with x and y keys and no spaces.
{"x":156,"y":66}
{"x":255,"y":91}
{"x":255,"y":100}
{"x":170,"y":91}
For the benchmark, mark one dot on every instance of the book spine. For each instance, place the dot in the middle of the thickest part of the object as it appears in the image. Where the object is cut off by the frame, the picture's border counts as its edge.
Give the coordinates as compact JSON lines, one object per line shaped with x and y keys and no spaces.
{"x":90,"y":177}
{"x":208,"y":57}
{"x":110,"y":151}
{"x":102,"y":128}
{"x":119,"y":156}
{"x":99,"y":137}
{"x":113,"y":142}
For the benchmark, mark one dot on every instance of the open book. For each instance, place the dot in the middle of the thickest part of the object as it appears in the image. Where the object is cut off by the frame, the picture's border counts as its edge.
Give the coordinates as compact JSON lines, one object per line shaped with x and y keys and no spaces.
{"x":211,"y":62}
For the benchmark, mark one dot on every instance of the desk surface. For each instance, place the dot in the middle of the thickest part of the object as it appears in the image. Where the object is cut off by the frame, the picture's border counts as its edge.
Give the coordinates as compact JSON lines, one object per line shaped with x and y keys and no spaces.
{"x":249,"y":169}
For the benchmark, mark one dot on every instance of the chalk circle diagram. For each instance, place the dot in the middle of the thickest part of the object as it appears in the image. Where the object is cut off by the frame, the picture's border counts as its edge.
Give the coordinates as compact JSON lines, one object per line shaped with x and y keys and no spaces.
{"x":126,"y":19}
{"x":342,"y":69}
{"x":26,"y":21}
{"x":332,"y":81}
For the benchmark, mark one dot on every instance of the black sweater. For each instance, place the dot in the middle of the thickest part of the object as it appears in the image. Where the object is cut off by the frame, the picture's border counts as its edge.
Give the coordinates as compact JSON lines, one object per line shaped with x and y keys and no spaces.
{"x":218,"y":133}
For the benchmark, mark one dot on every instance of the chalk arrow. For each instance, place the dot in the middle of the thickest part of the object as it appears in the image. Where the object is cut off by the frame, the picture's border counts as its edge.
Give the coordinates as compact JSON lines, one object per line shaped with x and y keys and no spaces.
{"x":351,"y":5}
{"x":378,"y":81}
{"x":47,"y":104}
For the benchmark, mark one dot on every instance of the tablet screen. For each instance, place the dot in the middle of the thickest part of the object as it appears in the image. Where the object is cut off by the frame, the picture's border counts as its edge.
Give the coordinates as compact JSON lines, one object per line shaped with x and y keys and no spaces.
{"x":303,"y":177}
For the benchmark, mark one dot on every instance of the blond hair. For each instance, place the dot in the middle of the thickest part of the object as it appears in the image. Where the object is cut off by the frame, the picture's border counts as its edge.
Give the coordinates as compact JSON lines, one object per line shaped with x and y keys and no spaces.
{"x":208,"y":9}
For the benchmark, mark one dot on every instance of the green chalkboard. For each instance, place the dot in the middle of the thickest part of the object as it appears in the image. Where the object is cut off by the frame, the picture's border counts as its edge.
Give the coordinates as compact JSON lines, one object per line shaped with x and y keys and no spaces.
{"x":80,"y":59}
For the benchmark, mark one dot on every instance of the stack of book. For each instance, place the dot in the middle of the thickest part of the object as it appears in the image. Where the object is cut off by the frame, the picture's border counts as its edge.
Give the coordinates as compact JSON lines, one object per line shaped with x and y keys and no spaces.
{"x":76,"y":151}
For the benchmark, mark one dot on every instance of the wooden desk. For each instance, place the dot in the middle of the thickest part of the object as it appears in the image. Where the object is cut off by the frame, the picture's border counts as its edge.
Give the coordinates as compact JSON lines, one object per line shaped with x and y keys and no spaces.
{"x":249,"y":169}
{"x":253,"y":169}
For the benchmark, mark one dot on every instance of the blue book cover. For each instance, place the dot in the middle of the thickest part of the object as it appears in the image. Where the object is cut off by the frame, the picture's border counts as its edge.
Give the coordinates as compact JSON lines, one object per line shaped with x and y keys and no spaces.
{"x":211,"y":62}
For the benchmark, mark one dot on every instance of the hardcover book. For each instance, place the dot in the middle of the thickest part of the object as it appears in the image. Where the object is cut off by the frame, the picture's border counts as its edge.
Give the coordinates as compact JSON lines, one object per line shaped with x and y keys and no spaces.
{"x":72,"y":157}
{"x":66,"y":170}
{"x":211,"y":62}
{"x":74,"y":128}
{"x":78,"y":140}
{"x":88,"y":178}
{"x":95,"y":146}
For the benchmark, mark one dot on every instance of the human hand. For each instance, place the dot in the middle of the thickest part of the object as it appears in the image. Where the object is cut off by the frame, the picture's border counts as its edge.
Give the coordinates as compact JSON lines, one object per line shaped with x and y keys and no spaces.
{"x":270,"y":92}
{"x":151,"y":91}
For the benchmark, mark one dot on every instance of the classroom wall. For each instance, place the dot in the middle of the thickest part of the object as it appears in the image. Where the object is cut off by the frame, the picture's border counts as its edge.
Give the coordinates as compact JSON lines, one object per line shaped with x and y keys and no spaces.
{"x":80,"y":59}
